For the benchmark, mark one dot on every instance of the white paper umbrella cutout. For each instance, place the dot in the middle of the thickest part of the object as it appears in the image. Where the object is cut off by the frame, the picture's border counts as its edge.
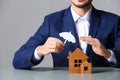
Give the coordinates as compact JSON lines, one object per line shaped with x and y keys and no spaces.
{"x":67,"y":36}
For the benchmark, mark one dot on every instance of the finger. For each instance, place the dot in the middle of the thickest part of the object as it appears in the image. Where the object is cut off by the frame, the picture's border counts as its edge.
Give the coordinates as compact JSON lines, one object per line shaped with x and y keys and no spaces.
{"x":58,"y":41}
{"x":51,"y":43}
{"x":57,"y":48}
{"x":53,"y":50}
{"x":90,"y":36}
{"x":93,"y":42}
{"x":82,"y":38}
{"x":49,"y":51}
{"x":88,"y":40}
{"x":54,"y":44}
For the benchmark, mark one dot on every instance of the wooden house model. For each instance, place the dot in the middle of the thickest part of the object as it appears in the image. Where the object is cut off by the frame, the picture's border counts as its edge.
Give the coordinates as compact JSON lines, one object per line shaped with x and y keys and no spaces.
{"x":78,"y":62}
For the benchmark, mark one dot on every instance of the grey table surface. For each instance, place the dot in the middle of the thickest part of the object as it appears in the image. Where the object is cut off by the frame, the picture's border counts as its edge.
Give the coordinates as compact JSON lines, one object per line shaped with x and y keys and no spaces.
{"x":47,"y":73}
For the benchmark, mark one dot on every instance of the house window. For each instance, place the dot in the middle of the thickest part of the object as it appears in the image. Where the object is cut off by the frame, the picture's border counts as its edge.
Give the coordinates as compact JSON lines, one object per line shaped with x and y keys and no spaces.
{"x":85,"y":68}
{"x":77,"y":62}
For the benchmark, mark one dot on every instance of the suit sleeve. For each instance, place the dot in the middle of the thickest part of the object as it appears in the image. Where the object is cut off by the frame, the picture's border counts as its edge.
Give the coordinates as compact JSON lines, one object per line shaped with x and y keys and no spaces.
{"x":23,"y":58}
{"x":117,"y":43}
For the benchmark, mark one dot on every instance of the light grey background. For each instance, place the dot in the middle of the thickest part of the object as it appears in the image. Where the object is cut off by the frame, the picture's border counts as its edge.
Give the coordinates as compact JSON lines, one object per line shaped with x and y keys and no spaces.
{"x":19,"y":19}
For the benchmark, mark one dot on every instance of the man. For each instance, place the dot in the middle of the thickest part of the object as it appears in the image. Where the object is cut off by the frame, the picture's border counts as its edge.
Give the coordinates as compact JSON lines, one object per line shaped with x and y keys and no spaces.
{"x":96,"y":32}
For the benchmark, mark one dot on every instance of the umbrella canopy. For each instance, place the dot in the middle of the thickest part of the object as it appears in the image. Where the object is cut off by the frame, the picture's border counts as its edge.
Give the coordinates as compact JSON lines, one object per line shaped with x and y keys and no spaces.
{"x":67,"y":36}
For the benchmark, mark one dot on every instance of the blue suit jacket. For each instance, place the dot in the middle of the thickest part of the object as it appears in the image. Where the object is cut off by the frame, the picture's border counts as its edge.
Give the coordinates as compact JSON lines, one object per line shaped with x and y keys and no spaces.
{"x":103,"y":25}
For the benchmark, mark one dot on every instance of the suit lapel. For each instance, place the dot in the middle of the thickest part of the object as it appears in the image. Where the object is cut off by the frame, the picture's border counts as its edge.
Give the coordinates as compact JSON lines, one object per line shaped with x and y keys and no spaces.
{"x":94,"y":25}
{"x":70,"y":26}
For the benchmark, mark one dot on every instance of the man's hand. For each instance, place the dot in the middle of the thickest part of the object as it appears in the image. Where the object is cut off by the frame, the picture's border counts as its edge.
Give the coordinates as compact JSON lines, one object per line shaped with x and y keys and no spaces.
{"x":52,"y":45}
{"x":97,"y":47}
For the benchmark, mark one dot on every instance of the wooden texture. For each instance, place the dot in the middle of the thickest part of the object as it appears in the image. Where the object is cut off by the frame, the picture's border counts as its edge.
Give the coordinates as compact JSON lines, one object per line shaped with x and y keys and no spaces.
{"x":78,"y":62}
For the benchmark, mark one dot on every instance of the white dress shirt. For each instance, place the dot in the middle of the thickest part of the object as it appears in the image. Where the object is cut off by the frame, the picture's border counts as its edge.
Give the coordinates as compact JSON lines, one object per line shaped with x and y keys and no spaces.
{"x":82,"y":26}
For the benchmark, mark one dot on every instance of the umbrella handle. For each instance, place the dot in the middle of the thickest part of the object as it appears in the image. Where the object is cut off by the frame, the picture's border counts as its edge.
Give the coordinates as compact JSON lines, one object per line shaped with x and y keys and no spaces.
{"x":65,"y":41}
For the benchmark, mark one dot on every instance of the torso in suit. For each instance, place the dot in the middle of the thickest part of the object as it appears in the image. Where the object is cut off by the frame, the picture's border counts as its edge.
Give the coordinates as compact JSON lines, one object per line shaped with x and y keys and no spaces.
{"x":103,"y":26}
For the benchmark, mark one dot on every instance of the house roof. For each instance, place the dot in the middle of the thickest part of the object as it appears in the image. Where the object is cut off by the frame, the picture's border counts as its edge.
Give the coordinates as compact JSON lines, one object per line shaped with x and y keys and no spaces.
{"x":77,"y":54}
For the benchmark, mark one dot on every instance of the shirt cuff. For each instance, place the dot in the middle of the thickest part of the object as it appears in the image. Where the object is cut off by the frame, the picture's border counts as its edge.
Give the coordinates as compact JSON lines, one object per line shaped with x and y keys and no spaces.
{"x":36,"y":55}
{"x":112,"y":58}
